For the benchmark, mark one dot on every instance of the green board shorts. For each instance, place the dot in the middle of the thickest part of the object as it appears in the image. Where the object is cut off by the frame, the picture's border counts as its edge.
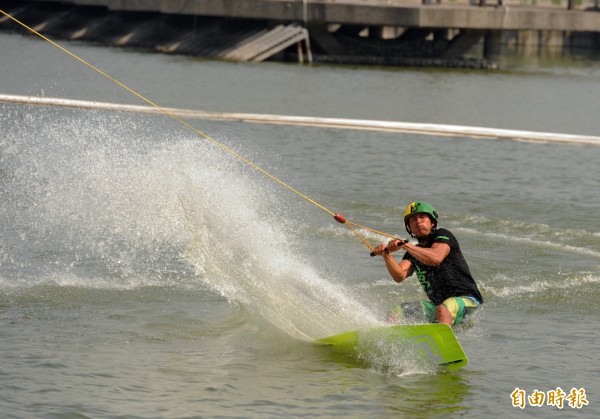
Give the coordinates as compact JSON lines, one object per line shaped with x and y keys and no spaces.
{"x":424,"y":311}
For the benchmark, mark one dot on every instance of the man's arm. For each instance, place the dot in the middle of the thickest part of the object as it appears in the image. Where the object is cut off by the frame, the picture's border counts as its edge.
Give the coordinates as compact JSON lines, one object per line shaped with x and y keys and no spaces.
{"x":398,"y":271}
{"x":432,"y":256}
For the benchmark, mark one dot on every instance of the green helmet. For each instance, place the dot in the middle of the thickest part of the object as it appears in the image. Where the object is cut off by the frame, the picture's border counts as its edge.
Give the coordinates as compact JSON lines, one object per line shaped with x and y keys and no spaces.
{"x":420,"y":207}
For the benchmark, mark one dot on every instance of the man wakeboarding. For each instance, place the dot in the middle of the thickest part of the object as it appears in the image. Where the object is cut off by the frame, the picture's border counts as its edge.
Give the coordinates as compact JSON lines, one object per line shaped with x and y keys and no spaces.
{"x":439,"y":265}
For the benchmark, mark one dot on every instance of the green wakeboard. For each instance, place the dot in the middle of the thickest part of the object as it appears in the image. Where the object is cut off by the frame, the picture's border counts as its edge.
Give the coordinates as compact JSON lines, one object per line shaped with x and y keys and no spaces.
{"x":435,"y":343}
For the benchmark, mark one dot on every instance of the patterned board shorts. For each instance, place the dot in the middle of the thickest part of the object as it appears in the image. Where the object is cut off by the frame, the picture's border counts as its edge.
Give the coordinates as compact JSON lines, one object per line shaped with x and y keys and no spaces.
{"x":424,"y":311}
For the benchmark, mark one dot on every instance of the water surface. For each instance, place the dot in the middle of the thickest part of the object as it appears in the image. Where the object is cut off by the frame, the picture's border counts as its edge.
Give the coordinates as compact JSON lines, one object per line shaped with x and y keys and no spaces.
{"x":146,"y":273}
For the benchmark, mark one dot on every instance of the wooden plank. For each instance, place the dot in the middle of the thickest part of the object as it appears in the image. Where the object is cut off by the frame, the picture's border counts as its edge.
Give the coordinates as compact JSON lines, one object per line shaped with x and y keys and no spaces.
{"x":260,"y":48}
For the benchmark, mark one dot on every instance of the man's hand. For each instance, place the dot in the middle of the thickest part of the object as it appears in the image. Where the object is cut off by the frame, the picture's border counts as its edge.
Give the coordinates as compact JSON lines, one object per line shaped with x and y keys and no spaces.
{"x":395,"y":244}
{"x":379,"y":250}
{"x":392,"y":246}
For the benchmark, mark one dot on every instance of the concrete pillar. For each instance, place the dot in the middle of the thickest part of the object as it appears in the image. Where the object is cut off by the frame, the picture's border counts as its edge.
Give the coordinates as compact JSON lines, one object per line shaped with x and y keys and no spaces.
{"x":491,"y":45}
{"x":376,"y":32}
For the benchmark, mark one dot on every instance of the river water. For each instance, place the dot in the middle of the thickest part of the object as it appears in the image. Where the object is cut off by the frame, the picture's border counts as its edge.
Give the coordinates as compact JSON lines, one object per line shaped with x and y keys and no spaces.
{"x":146,"y":273}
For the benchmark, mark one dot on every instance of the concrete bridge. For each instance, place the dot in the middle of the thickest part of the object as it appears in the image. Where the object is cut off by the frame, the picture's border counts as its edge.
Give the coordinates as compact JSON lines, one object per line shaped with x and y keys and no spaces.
{"x":355,"y":31}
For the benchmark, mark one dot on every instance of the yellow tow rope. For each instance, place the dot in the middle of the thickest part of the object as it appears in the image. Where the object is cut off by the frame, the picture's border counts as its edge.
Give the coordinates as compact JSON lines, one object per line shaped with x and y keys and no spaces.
{"x":338,"y":217}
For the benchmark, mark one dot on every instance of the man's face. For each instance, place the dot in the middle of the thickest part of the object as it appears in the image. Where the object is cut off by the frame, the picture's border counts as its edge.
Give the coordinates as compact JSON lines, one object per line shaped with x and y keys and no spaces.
{"x":420,"y":225}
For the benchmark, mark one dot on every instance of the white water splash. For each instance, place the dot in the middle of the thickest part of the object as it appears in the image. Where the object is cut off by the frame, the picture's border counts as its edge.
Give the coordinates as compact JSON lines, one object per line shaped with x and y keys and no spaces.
{"x":116,"y":199}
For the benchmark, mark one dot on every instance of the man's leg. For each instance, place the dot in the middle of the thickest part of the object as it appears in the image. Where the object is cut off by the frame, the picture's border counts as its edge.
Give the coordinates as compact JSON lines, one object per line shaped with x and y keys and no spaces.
{"x":442,"y":315}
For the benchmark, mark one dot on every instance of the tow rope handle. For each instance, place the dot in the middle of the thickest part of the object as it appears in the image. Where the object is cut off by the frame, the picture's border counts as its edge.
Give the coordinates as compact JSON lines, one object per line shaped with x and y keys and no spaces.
{"x":402,"y":242}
